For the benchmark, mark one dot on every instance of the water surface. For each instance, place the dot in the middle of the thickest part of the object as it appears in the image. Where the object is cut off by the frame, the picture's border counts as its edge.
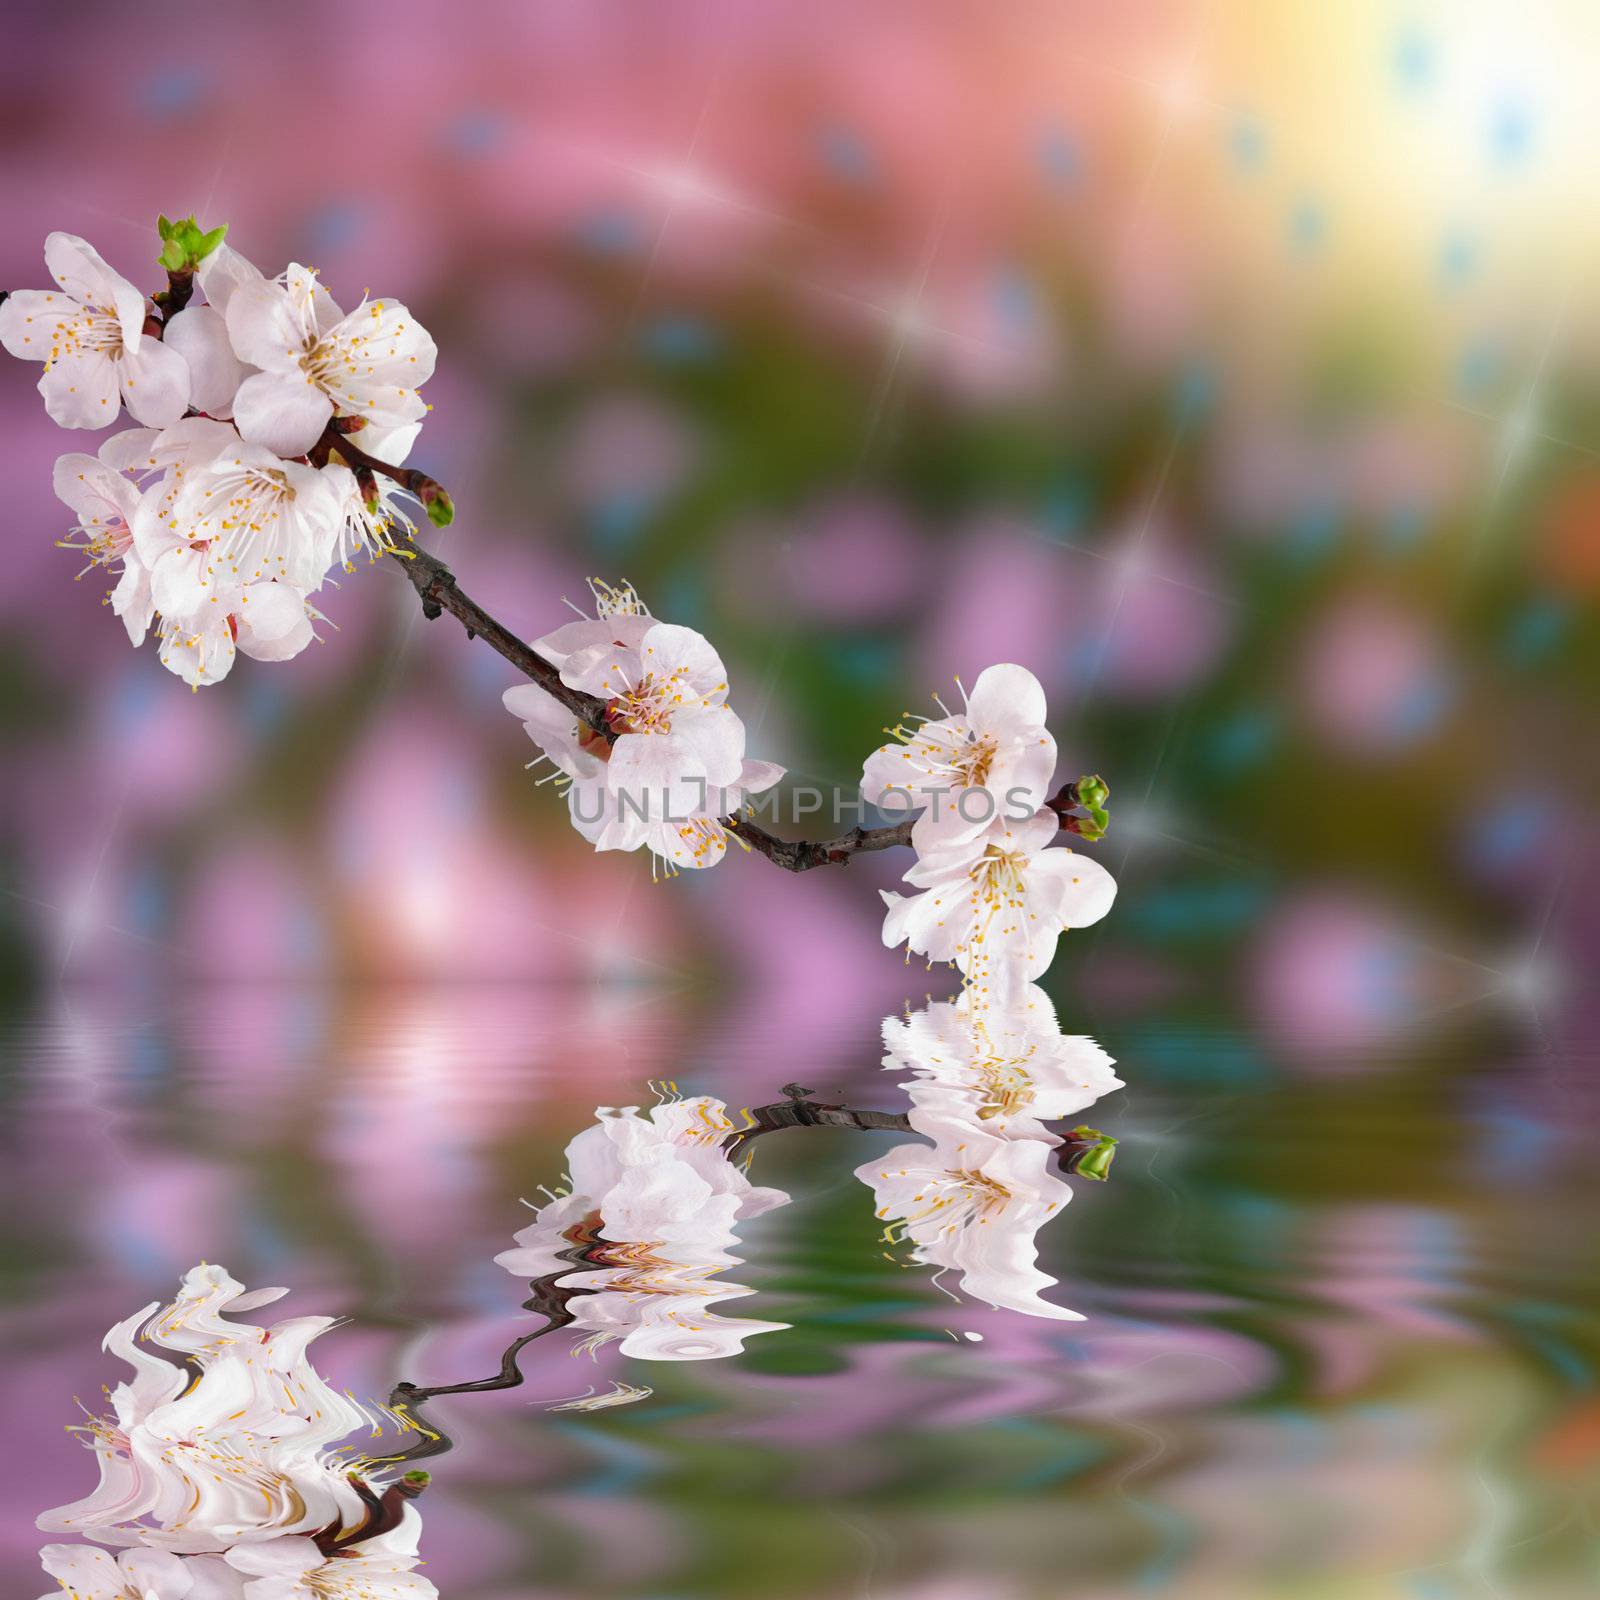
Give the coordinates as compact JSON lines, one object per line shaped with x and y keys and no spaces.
{"x":1339,"y":1333}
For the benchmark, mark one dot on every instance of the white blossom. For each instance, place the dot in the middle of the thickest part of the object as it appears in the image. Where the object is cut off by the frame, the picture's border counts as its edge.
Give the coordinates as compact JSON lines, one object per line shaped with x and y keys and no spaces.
{"x":233,"y":1442}
{"x":105,"y":501}
{"x":997,"y":904}
{"x":89,"y":334}
{"x":646,"y":1229}
{"x":1007,"y":1068}
{"x":314,"y":362}
{"x":991,"y":760}
{"x":90,"y":1574}
{"x":970,"y":1202}
{"x":294,"y":1568}
{"x":675,"y":765}
{"x":234,"y":540}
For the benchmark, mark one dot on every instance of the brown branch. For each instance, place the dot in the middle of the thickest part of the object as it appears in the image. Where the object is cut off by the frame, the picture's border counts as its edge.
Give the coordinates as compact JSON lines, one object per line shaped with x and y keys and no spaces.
{"x":439,"y":592}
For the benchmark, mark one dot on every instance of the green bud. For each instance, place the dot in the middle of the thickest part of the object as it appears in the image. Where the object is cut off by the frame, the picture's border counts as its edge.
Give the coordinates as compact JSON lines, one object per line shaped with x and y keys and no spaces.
{"x":1093,"y":794}
{"x":184,"y":245}
{"x":441,"y":508}
{"x":420,"y":1478}
{"x":1096,"y":1161}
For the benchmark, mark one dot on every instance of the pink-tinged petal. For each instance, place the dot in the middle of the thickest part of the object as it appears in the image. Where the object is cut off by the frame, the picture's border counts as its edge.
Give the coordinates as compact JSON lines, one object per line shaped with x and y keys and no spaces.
{"x":86,"y":1573}
{"x":1030,"y":835}
{"x":273,"y":622}
{"x":132,"y":599}
{"x":1006,"y":697}
{"x":85,"y":483}
{"x":655,"y":778}
{"x":200,"y":655}
{"x":78,"y":267}
{"x":182,"y":583}
{"x":583,"y":634}
{"x":318,"y":312}
{"x":254,"y":1299}
{"x":284,"y":411}
{"x":200,"y":336}
{"x":28,"y":319}
{"x":1022,"y":783}
{"x":222,"y":272}
{"x":156,"y":1572}
{"x":264,"y":329}
{"x":890,"y":769}
{"x":693,"y":844}
{"x":81,"y":391}
{"x":387,"y":355}
{"x":925,"y":922}
{"x":1073,"y":888}
{"x":754,"y":776}
{"x":213,"y":1579}
{"x":155,"y":384}
{"x":668,"y":650}
{"x":288,"y":1557}
{"x":716,"y":737}
{"x":389,"y":444}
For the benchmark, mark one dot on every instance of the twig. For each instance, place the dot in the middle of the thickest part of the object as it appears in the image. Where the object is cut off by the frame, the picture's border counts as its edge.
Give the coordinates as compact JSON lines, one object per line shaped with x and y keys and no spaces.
{"x":438,"y":590}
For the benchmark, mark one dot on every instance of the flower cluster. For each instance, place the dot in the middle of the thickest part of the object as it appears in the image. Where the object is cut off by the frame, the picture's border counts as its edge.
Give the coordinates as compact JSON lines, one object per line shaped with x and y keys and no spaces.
{"x":993,"y":899}
{"x":222,"y":1473}
{"x":990,"y":1070}
{"x":984,"y":1081}
{"x":644,"y":1230}
{"x":244,"y":486}
{"x":674,"y":764}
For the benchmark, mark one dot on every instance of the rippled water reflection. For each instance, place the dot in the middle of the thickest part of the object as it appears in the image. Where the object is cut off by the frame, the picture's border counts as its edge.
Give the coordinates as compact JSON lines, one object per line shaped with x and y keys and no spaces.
{"x":1339,"y":1332}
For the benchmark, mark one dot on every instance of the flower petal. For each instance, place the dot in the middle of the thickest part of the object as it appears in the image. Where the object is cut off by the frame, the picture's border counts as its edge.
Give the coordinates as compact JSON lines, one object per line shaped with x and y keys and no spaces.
{"x":263,"y":327}
{"x":155,"y":383}
{"x":274,"y":624}
{"x":200,"y":336}
{"x":182,"y":582}
{"x":289,"y":1557}
{"x":88,"y":1573}
{"x":1006,"y":697}
{"x":1071,"y":887}
{"x":81,"y":391}
{"x":223,"y":271}
{"x":716,"y":737}
{"x":156,"y":1572}
{"x":668,"y":649}
{"x":132,"y":600}
{"x":283,"y":411}
{"x":78,"y":267}
{"x":28,"y":320}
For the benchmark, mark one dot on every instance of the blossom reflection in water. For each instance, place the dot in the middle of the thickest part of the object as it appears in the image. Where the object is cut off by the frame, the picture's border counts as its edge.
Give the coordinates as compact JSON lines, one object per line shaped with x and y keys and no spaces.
{"x":985,"y":1080}
{"x":640,"y":1237}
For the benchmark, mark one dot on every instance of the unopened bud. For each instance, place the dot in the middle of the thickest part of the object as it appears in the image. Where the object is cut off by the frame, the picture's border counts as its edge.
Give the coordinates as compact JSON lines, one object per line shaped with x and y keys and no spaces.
{"x":185,"y":244}
{"x":1095,"y":1162}
{"x":414,"y":1483}
{"x":440,"y":507}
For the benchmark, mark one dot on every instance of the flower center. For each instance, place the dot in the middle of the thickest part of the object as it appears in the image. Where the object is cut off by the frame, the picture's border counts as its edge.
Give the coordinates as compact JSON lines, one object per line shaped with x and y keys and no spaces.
{"x":648,"y":706}
{"x":950,"y":752}
{"x":956,"y":1198}
{"x":102,"y":542}
{"x":86,"y":329}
